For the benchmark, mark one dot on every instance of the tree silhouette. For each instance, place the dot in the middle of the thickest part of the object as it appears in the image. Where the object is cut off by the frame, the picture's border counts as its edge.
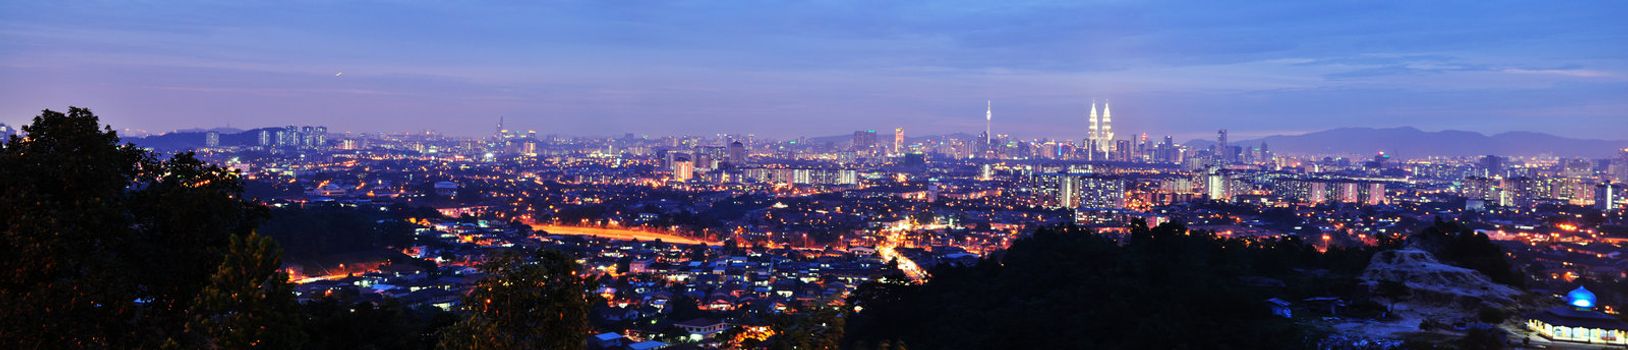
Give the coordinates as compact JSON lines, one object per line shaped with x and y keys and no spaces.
{"x":1456,"y":244}
{"x":248,"y":303}
{"x":534,"y":302}
{"x":816,"y":328}
{"x":104,"y":245}
{"x":1068,"y":288}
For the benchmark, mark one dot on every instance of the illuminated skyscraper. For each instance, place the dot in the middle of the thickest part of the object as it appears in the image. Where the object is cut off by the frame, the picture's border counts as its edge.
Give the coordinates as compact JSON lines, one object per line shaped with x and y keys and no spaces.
{"x":683,"y":170}
{"x":986,"y":142}
{"x":1605,"y":197}
{"x":1092,"y":136}
{"x":989,"y":119}
{"x":212,"y":139}
{"x":498,"y":133}
{"x":1215,"y":184}
{"x":1107,"y":124}
{"x":898,"y":141}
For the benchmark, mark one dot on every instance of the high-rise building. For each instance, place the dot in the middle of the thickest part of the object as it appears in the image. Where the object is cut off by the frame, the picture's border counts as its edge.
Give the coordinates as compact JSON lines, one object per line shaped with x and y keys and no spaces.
{"x":1090,"y":191}
{"x":737,"y":153}
{"x":864,"y":142}
{"x":711,"y":157}
{"x":1266,"y":154}
{"x":898,"y":141}
{"x":681,"y":164}
{"x":1143,"y":148}
{"x":1099,"y":138}
{"x":265,"y":138}
{"x":1605,"y":196}
{"x":986,"y":142}
{"x":683,"y":170}
{"x":1493,"y":166}
{"x":1107,"y":123}
{"x":212,"y":139}
{"x":1221,"y":147}
{"x":1094,"y":134}
{"x":290,"y":137}
{"x":1619,"y":167}
{"x":1167,"y":151}
{"x":497,"y":134}
{"x":1215,"y":184}
{"x":1122,"y":150}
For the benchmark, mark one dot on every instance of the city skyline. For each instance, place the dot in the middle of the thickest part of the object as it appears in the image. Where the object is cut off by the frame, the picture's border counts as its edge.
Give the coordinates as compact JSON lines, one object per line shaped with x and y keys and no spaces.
{"x":825,"y":69}
{"x":673,"y":175}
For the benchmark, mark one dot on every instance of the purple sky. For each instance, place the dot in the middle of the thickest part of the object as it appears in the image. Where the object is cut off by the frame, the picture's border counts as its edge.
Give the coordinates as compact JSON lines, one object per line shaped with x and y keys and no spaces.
{"x":823,"y":67}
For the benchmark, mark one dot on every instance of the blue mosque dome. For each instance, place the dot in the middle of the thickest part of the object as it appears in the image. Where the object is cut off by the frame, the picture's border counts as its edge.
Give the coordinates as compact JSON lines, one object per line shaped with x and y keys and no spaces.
{"x":1580,"y":298}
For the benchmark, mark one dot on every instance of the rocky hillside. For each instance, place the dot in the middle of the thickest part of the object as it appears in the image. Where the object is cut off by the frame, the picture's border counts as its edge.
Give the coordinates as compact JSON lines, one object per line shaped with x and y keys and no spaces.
{"x":1432,"y":281}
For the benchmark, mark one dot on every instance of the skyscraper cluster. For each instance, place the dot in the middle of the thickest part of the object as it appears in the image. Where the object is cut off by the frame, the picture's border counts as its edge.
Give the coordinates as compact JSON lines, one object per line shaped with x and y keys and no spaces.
{"x":719,"y":161}
{"x":865,"y":143}
{"x":294,"y":137}
{"x":505,"y":141}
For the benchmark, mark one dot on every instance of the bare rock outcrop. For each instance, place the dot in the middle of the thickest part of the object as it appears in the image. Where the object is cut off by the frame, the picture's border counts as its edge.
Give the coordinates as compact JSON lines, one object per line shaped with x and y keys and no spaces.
{"x":1431,"y":281}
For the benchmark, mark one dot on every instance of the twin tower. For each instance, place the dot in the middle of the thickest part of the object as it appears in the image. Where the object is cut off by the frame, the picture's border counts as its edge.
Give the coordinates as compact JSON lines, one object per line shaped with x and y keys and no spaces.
{"x":1102,"y":130}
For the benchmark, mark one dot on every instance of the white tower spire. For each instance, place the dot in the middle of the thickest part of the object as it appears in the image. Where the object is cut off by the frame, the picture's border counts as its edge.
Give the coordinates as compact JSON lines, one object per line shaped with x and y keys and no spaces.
{"x":1107,"y":123}
{"x":989,"y":115}
{"x":1092,"y":135}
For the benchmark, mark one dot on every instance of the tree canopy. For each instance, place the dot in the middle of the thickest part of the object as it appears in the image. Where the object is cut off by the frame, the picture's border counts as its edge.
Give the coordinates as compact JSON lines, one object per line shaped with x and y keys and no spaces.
{"x":525,"y":302}
{"x":1066,"y":288}
{"x":105,"y":245}
{"x":1456,"y":244}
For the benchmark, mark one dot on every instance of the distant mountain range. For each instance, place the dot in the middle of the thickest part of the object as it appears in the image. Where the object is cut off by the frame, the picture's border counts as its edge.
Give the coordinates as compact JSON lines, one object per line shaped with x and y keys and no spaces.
{"x":1412,"y":142}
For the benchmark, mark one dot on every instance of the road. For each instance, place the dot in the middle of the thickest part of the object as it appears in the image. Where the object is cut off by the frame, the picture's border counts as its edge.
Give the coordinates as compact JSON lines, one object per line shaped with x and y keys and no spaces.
{"x":618,"y":233}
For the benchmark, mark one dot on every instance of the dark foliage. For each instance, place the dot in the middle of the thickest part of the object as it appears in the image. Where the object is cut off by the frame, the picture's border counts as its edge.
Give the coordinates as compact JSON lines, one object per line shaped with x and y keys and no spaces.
{"x":336,"y":323}
{"x":248,"y":304}
{"x":318,"y":231}
{"x":1459,"y":245}
{"x":526,"y":302}
{"x":107,"y":246}
{"x":1483,"y":338}
{"x":815,"y":328}
{"x":1065,"y":288}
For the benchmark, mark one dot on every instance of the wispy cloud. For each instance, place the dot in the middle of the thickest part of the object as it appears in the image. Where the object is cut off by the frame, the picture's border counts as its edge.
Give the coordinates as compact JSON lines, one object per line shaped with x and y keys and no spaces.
{"x":792,"y":68}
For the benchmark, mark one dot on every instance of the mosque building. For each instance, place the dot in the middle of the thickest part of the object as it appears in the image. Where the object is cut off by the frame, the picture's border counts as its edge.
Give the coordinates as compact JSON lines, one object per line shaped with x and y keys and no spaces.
{"x":1578,"y":322}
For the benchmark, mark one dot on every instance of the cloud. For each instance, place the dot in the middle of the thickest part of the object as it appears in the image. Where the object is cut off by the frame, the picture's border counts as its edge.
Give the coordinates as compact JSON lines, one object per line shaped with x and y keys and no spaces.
{"x":799,"y":68}
{"x":1576,"y":73}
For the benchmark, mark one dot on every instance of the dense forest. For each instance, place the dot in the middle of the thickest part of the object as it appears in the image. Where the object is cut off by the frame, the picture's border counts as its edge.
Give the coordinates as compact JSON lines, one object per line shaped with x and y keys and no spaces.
{"x":1164,"y":288}
{"x":318,"y":231}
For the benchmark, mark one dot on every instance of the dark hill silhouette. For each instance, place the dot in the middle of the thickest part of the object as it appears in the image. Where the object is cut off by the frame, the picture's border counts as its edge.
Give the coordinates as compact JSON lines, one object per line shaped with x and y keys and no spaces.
{"x":194,"y":138}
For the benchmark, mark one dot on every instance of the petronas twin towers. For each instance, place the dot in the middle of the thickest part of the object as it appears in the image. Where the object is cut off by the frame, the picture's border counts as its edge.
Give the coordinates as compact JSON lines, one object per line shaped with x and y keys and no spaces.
{"x":1102,"y":130}
{"x":1099,"y":139}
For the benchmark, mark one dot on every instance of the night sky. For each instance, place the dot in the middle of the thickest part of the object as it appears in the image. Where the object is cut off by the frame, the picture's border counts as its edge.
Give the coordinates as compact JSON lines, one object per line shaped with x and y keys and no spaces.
{"x":817,"y":68}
